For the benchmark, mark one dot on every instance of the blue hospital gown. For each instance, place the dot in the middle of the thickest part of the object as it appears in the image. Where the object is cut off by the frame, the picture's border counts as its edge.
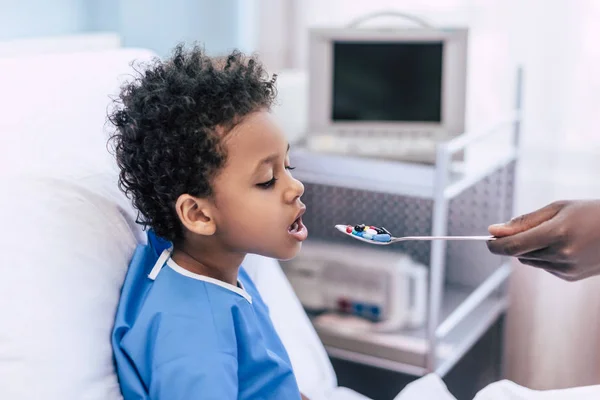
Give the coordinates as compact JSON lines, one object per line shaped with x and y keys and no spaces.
{"x":187,"y":337}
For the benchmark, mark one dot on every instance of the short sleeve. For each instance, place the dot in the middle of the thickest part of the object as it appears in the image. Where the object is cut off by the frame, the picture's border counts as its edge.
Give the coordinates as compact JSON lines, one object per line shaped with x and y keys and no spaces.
{"x":187,"y":363}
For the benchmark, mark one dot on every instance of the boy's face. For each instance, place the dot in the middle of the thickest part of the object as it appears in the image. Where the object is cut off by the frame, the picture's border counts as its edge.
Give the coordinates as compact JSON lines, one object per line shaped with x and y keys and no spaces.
{"x":256,"y":199}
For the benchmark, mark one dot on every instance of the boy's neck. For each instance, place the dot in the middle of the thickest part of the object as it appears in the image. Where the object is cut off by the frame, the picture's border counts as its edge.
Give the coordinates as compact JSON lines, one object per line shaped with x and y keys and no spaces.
{"x":214,"y":264}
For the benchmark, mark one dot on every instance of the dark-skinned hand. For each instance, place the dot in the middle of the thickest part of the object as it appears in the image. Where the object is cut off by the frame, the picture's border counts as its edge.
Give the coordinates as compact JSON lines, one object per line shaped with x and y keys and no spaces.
{"x":562,"y":238}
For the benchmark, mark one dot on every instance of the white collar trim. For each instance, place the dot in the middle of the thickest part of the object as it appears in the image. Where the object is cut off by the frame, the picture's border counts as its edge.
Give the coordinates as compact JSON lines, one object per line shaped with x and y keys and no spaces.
{"x":239,"y":290}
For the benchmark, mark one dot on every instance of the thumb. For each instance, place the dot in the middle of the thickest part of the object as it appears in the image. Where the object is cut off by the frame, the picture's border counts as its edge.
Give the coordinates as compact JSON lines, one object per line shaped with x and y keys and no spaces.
{"x":526,"y":221}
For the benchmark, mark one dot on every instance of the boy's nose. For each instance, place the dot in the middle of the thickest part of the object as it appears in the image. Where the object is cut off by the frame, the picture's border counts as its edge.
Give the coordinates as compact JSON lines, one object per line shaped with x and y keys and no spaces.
{"x":295,"y":191}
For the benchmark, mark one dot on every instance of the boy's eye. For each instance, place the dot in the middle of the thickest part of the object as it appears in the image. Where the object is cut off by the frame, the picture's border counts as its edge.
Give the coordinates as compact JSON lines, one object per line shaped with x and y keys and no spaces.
{"x":268,"y":184}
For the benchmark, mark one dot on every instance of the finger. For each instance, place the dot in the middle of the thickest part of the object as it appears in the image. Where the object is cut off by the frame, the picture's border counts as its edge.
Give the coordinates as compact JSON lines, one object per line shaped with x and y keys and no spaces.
{"x":534,"y":239}
{"x":527,"y":221}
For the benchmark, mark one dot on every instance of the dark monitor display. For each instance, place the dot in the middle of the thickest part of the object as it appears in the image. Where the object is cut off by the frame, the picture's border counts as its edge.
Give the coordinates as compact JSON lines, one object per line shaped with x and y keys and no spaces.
{"x":387,"y":82}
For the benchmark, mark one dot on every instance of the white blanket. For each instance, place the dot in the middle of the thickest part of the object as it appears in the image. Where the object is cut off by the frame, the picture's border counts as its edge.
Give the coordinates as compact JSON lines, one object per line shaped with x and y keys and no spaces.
{"x":432,"y":387}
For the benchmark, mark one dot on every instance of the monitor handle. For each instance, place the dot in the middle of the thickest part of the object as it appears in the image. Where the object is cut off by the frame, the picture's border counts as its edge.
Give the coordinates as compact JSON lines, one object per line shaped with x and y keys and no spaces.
{"x":360,"y":20}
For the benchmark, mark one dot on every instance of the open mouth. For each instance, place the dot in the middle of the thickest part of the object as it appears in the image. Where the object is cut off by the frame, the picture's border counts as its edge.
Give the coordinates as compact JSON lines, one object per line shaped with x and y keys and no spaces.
{"x":297,"y":229}
{"x":295,"y":226}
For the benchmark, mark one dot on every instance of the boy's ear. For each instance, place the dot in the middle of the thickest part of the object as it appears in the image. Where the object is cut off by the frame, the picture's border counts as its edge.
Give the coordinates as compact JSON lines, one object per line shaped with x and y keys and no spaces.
{"x":196,"y":214}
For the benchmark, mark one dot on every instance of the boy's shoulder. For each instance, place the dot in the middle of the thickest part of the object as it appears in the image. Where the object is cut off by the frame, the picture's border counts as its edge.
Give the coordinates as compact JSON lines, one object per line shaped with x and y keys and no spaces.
{"x":180,"y":309}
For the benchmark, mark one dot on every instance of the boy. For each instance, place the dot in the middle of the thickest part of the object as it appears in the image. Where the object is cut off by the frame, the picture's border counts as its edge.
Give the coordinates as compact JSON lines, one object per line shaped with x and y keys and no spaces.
{"x":208,"y":171}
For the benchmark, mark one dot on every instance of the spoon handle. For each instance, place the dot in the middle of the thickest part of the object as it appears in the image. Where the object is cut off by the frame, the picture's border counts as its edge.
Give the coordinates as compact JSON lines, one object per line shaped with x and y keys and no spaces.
{"x":405,"y":238}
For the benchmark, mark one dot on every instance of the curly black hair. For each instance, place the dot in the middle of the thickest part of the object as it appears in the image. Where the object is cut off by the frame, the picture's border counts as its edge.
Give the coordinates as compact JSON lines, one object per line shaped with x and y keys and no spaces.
{"x":166,"y":142}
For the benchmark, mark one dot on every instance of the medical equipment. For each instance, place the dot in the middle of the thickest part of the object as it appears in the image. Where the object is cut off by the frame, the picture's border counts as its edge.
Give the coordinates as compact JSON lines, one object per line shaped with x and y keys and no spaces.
{"x":388,"y":289}
{"x":387,"y":239}
{"x":381,"y":92}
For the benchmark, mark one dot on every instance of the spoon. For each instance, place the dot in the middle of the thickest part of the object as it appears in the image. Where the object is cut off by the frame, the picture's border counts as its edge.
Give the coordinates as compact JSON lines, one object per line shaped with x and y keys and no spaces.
{"x":342,"y":228}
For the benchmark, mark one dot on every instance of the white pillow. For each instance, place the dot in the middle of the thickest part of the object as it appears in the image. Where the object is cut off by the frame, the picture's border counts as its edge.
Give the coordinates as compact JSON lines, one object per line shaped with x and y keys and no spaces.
{"x":66,"y":243}
{"x":65,"y":254}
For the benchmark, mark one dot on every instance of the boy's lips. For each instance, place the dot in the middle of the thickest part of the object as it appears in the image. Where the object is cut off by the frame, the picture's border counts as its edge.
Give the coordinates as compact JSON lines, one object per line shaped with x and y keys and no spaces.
{"x":297,"y":229}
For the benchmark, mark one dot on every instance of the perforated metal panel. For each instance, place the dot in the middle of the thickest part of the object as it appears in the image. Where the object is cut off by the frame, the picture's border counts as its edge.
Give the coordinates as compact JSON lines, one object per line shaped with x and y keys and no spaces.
{"x":470,"y":213}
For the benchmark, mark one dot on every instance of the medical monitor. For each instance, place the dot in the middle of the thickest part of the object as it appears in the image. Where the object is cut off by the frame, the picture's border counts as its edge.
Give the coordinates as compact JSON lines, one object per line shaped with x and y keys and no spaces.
{"x":391,"y":82}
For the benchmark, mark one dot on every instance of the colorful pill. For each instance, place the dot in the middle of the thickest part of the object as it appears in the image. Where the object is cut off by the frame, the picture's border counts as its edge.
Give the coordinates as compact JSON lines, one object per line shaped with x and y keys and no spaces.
{"x":358,"y":308}
{"x":375,"y":311}
{"x":384,"y":237}
{"x":371,"y":231}
{"x":367,"y":235}
{"x":344,"y":305}
{"x":349,"y":229}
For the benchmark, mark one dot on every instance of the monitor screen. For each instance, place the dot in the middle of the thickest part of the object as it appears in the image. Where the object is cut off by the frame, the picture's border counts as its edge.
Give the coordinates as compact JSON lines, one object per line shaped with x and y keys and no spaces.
{"x":387,"y":82}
